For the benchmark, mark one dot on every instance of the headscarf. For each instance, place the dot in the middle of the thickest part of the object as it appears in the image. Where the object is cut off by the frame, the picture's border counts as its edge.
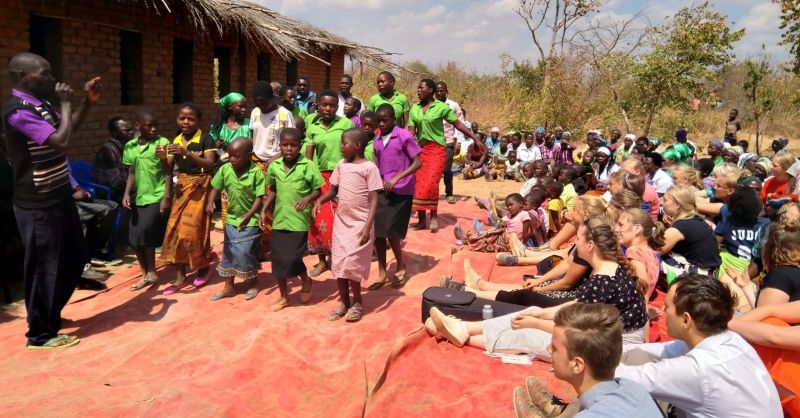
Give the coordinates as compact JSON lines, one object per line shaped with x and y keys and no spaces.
{"x":230,"y":99}
{"x":540,"y":130}
{"x":495,"y":129}
{"x":718,"y":143}
{"x":654,"y":141}
{"x":632,"y":137}
{"x":567,"y":134}
{"x":678,"y":153}
{"x":604,"y":150}
{"x":745,"y":181}
{"x":680,"y":134}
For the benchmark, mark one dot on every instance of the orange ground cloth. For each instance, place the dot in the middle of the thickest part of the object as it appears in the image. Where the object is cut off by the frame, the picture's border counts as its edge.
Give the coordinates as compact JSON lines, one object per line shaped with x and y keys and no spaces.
{"x":144,"y":354}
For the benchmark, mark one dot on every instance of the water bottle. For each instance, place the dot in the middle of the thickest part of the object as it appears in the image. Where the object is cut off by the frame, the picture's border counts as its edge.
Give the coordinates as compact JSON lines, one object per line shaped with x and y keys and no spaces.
{"x":488,"y":313}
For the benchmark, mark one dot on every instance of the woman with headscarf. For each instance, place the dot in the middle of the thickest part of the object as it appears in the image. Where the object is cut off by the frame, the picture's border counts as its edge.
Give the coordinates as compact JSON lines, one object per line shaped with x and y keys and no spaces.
{"x":231,"y":120}
{"x":603,"y":168}
{"x":627,"y":147}
{"x":715,"y":148}
{"x":677,"y":155}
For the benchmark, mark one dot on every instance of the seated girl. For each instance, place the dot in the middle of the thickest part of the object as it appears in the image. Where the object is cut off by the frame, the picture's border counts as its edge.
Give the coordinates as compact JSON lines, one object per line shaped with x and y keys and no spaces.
{"x":641,"y":237}
{"x":689,"y":243}
{"x":540,"y":225}
{"x":530,"y":331}
{"x":516,"y":223}
{"x":474,"y":161}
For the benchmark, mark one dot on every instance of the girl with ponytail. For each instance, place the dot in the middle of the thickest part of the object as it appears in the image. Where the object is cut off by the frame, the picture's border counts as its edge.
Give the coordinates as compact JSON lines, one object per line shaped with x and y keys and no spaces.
{"x":641,"y":237}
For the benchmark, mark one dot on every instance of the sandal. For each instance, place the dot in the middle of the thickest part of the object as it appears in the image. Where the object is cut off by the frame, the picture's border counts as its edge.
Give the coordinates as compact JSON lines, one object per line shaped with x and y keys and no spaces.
{"x":451,"y":199}
{"x":147,"y":280}
{"x":61,"y":341}
{"x":337,"y":313}
{"x":280,"y":304}
{"x":320,"y":268}
{"x":251,"y":293}
{"x":222,"y":295}
{"x":377,"y":285}
{"x":173,"y":288}
{"x":395,"y":281}
{"x":355,"y":313}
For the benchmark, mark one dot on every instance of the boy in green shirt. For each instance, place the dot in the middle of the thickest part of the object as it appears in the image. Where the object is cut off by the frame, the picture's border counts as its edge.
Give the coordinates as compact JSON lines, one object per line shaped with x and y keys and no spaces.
{"x":244,"y":183}
{"x":295,"y":182}
{"x":146,"y":157}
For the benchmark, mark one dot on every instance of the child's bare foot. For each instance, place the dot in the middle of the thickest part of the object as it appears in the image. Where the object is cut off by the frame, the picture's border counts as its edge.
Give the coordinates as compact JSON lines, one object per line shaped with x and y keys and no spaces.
{"x":305,"y":290}
{"x":280,"y":304}
{"x":320,"y":268}
{"x":434,"y":226}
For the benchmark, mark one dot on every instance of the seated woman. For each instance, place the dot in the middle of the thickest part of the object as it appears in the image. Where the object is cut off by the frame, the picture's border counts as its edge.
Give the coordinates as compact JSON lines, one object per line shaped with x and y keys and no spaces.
{"x":515,"y":224}
{"x":603,"y":168}
{"x":782,"y":264}
{"x":641,"y":238}
{"x":689,"y":242}
{"x":530,"y":331}
{"x":778,"y":345}
{"x":775,"y":192}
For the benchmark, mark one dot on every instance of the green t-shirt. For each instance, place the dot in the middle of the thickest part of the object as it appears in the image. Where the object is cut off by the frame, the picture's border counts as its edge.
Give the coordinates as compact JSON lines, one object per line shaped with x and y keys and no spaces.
{"x":430,"y":123}
{"x":228,"y":135}
{"x":369,"y":151}
{"x":399,"y":102}
{"x":147,"y":169}
{"x":327,"y":141}
{"x":242,"y":191}
{"x":299,"y":112}
{"x":302,"y":179}
{"x":501,"y":156}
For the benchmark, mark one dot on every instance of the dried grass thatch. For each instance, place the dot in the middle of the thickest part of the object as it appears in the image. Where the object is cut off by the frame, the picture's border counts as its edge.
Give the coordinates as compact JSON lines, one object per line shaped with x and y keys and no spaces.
{"x":261,"y":26}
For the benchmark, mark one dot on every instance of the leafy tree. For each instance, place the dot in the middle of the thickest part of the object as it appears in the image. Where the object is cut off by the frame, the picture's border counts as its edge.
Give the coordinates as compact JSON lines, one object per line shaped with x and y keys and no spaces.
{"x":760,"y":96}
{"x":790,"y":24}
{"x":685,"y":52}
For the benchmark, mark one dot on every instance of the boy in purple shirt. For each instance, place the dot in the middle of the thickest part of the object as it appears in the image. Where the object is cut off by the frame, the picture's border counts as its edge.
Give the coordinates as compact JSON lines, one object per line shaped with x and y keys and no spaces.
{"x":37,"y":139}
{"x":397,"y":158}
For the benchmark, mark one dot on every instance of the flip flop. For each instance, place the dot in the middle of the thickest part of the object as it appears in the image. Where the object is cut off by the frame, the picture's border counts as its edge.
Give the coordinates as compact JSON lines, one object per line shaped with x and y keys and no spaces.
{"x":317,"y":270}
{"x":172,"y":289}
{"x":377,"y":285}
{"x":355,"y":313}
{"x":337,"y":314}
{"x":280,"y":304}
{"x":52,"y":344}
{"x":451,"y":200}
{"x":144,"y":282}
{"x":250,"y":294}
{"x":396,"y":282}
{"x":221,"y":295}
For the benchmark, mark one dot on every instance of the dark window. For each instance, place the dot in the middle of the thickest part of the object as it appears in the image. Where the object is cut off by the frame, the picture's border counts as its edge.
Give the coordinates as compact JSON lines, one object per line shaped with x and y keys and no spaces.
{"x":222,"y":71}
{"x":130,"y":60}
{"x":242,"y":51}
{"x":263,"y":67}
{"x":45,"y":40}
{"x":291,"y":72}
{"x":182,"y":53}
{"x":328,"y":57}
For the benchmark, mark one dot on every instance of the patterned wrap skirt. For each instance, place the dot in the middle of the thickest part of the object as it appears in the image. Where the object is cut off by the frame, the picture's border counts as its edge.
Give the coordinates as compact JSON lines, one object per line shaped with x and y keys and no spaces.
{"x":426,"y":196}
{"x":187,"y":239}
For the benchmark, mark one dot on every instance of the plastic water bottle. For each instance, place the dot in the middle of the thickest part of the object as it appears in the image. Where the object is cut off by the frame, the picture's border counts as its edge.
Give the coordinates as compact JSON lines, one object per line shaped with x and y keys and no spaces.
{"x":488,"y":313}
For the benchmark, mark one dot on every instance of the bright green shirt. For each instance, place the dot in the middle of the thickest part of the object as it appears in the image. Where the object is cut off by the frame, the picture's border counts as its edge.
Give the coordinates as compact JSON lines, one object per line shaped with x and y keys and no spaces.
{"x":147,"y":169}
{"x":369,"y":151}
{"x":299,"y":112}
{"x":228,"y":135}
{"x":429,"y":123}
{"x":242,"y":191}
{"x":327,"y":141}
{"x":399,"y":102}
{"x":300,"y":181}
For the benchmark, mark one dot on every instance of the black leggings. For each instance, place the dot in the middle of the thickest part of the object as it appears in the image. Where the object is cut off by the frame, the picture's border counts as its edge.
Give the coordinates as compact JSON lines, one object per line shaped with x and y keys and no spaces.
{"x":526,"y":297}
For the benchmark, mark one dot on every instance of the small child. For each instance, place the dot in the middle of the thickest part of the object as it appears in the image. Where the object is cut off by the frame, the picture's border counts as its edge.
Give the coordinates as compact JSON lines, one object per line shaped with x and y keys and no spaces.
{"x":512,"y":166}
{"x":244,"y":184}
{"x":516,"y":222}
{"x":352,"y":107}
{"x":566,"y":177}
{"x":555,"y":205}
{"x":499,"y":159}
{"x":369,"y":123}
{"x":535,"y":205}
{"x":295,"y":182}
{"x":146,"y":157}
{"x":538,"y":172}
{"x":356,"y":182}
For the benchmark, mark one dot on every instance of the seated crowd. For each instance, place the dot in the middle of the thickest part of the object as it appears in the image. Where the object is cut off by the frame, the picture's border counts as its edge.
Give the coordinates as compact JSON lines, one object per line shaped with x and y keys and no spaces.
{"x":704,"y":252}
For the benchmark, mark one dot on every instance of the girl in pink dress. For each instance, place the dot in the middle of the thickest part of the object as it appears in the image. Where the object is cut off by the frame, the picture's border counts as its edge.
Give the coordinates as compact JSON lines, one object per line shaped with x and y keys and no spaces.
{"x":356,"y":181}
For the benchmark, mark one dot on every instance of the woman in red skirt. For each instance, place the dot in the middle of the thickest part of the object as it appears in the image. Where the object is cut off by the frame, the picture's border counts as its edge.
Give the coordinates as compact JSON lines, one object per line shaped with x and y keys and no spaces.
{"x":426,"y":120}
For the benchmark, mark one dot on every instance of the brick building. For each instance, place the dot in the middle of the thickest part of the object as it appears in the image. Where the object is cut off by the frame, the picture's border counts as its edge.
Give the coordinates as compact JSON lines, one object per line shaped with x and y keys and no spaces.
{"x":157,"y":53}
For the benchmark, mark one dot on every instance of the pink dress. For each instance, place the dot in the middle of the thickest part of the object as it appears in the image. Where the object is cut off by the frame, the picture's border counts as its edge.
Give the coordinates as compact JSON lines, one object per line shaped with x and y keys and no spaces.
{"x":648,"y":257}
{"x":349,"y":260}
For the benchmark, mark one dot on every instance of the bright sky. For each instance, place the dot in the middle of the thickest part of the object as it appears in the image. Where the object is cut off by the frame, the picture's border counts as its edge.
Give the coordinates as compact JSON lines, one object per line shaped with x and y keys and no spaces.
{"x":476,"y":32}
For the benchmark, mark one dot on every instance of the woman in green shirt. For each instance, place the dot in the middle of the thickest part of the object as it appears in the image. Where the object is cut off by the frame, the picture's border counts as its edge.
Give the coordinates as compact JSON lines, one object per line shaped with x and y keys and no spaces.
{"x":231,"y":120}
{"x":426,"y":119}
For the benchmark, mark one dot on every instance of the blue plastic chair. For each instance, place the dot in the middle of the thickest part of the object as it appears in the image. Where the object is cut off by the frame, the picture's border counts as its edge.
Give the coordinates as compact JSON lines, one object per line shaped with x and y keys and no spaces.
{"x":82,"y":172}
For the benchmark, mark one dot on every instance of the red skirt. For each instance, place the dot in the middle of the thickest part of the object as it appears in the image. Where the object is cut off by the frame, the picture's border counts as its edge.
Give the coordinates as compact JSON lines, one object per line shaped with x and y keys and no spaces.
{"x":426,"y":195}
{"x":320,"y":233}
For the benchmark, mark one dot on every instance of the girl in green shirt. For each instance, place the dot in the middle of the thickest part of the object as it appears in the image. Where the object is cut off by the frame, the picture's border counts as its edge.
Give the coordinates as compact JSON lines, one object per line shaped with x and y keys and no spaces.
{"x":231,"y":120}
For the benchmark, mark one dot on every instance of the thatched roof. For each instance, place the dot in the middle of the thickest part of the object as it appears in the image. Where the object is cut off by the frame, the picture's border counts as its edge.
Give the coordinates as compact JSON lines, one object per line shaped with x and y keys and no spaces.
{"x":288,"y":37}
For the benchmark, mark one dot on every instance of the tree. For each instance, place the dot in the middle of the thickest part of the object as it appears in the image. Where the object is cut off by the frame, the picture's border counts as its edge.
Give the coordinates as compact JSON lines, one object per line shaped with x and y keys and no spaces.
{"x":611,"y":48}
{"x":685,"y":52}
{"x":790,"y":24}
{"x":557,"y":17}
{"x":760,"y":96}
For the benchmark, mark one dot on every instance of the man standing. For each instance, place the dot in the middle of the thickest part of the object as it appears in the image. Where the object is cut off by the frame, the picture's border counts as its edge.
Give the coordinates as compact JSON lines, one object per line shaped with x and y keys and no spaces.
{"x":732,"y":126}
{"x":453,"y":139}
{"x":37,"y":138}
{"x":306,"y":99}
{"x":344,"y":92}
{"x":708,"y":371}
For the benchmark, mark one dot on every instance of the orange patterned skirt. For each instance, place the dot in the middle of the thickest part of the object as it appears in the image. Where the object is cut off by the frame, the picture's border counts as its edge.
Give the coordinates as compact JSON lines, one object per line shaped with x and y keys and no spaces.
{"x":187,"y":239}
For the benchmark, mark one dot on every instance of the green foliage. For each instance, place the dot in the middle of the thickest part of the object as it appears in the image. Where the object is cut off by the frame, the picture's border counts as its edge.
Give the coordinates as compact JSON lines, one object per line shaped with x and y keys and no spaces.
{"x":685,"y":52}
{"x":790,"y":24}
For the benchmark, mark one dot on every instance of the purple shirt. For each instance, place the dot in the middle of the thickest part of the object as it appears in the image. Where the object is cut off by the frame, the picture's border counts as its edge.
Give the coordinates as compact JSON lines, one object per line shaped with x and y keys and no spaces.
{"x":396,"y":156}
{"x":34,"y":127}
{"x":356,"y":121}
{"x":549,"y":154}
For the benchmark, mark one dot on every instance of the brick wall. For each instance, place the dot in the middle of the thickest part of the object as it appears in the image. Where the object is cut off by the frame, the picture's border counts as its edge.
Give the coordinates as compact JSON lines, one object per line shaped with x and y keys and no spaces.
{"x":92,"y":49}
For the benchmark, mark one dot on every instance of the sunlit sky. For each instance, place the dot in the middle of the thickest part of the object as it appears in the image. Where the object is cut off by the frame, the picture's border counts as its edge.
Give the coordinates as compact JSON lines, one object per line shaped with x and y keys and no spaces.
{"x":475,"y":32}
